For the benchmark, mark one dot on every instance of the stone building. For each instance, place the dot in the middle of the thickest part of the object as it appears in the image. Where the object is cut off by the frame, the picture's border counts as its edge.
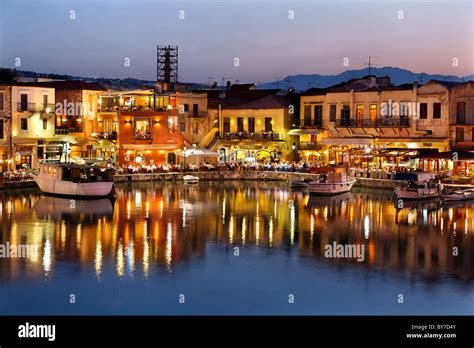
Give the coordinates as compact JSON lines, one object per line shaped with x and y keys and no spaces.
{"x":370,"y":122}
{"x":5,"y":128}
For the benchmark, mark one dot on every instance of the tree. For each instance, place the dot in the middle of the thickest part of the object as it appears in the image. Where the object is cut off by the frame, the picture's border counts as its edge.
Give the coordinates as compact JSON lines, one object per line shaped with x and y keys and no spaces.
{"x":7,"y":75}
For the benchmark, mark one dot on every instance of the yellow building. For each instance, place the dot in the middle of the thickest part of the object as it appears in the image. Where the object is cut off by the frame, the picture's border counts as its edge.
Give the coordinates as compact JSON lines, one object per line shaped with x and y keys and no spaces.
{"x":255,"y":131}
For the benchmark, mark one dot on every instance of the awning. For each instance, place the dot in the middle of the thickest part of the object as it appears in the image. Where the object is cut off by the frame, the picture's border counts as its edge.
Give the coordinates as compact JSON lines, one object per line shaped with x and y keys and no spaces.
{"x":304,"y":131}
{"x":198,"y":153}
{"x":345,"y":141}
{"x":150,"y":147}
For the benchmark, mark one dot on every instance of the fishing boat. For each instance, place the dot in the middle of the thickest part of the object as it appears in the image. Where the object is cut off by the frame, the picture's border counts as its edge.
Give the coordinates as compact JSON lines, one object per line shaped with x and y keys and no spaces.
{"x":421,"y":186}
{"x":300,"y":184}
{"x":455,"y":195}
{"x":332,"y":180}
{"x":75,"y":180}
{"x":190,"y":179}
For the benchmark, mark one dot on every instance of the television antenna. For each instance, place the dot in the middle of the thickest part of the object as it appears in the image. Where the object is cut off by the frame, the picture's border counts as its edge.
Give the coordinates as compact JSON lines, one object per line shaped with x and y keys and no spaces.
{"x":370,"y":64}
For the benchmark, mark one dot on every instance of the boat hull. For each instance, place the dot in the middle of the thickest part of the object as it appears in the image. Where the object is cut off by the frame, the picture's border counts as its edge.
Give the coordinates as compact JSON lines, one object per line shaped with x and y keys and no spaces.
{"x":321,"y":188}
{"x":298,"y":184}
{"x":458,"y":196}
{"x":420,"y":194}
{"x":73,"y":189}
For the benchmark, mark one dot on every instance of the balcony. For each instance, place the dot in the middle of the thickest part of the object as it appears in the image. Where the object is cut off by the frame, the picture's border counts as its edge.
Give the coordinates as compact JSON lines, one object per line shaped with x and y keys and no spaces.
{"x":35,"y":107}
{"x":111,"y":136}
{"x":367,"y":123}
{"x":268,"y":136}
{"x":143,"y":135}
{"x":65,"y":131}
{"x":128,"y":108}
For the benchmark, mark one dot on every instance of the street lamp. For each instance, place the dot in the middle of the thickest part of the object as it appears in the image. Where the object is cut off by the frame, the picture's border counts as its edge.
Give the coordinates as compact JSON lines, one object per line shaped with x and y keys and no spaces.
{"x":293,"y":147}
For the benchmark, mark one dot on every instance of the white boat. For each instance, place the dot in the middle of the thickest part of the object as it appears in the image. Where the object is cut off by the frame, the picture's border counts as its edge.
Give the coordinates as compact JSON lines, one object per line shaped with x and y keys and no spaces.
{"x":190,"y":179}
{"x":457,"y":195}
{"x":421,"y":186}
{"x":69,"y":179}
{"x":333,"y":180}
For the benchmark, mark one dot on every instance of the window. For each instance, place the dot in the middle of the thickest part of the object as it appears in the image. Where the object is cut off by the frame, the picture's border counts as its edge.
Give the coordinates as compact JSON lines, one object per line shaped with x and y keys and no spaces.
{"x":142,"y":128}
{"x":318,"y":115}
{"x":182,"y":127}
{"x":423,"y":111}
{"x":373,"y":112}
{"x":45,"y":101}
{"x":195,"y":109}
{"x":332,"y":113}
{"x":2,"y":101}
{"x":240,"y":124}
{"x":251,"y":121}
{"x":226,"y":125}
{"x":404,"y":110}
{"x":186,"y":107}
{"x":24,"y":124}
{"x":45,"y":123}
{"x":268,"y":124}
{"x":459,"y":135}
{"x":360,"y":113}
{"x":345,"y":115}
{"x":461,"y":112}
{"x":307,"y":115}
{"x":436,"y":110}
{"x":24,"y":102}
{"x":2,"y":124}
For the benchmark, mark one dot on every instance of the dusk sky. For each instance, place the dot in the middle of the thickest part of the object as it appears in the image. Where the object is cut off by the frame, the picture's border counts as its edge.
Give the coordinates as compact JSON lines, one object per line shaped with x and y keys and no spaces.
{"x":260,"y":33}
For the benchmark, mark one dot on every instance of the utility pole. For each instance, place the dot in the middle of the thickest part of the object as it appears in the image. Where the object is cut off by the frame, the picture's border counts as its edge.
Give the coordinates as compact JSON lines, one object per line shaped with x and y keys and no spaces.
{"x":370,"y":64}
{"x":288,"y":80}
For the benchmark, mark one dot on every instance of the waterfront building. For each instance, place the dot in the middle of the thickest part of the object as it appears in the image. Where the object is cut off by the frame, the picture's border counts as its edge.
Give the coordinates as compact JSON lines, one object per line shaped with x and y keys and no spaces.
{"x":145,"y":124}
{"x":193,"y":118}
{"x":249,"y":124}
{"x":5,"y":128}
{"x":75,"y":120}
{"x":32,"y":124}
{"x":369,"y":122}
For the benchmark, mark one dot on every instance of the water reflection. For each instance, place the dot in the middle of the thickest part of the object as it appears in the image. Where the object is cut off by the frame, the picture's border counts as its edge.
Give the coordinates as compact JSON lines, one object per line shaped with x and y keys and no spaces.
{"x":154,"y":227}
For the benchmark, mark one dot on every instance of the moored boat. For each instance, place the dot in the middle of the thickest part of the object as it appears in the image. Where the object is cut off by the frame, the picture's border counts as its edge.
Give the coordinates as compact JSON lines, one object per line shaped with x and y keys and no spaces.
{"x":333,"y":180}
{"x":75,"y":180}
{"x":190,"y":179}
{"x":450,"y":195}
{"x":300,"y":184}
{"x":421,"y":186}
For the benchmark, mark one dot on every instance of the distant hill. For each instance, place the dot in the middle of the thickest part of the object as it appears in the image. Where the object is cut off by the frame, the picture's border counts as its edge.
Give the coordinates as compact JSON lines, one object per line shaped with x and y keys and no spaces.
{"x":398,"y":76}
{"x":110,"y":83}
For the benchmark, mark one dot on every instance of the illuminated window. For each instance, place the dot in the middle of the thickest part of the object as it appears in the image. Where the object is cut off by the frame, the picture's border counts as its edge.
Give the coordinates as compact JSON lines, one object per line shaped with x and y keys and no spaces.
{"x":373,"y":112}
{"x":142,"y":128}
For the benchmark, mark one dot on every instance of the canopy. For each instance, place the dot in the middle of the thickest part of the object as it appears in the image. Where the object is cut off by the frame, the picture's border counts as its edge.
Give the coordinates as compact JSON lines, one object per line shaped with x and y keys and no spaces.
{"x":197,"y":152}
